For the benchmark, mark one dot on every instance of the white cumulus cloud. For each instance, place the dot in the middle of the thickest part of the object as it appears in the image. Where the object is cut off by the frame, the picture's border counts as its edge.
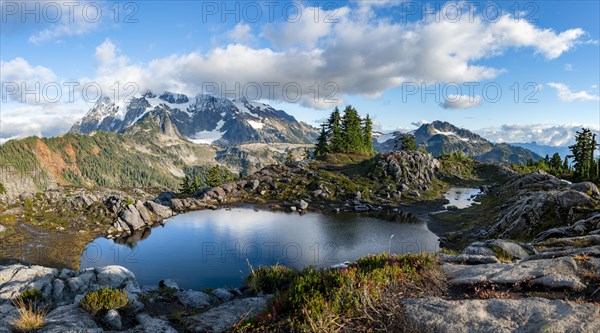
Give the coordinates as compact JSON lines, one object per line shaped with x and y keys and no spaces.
{"x":461,"y":102}
{"x":565,"y":94}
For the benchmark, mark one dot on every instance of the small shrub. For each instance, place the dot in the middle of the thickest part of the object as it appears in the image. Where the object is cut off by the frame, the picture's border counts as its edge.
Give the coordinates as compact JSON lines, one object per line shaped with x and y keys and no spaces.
{"x":104,"y":299}
{"x":30,"y":295}
{"x":270,"y":279}
{"x":31,"y":318}
{"x":128,"y":201}
{"x":502,"y":255}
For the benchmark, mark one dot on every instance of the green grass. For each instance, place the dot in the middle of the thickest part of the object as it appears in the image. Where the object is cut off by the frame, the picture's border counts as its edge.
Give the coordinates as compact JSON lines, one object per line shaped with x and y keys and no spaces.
{"x":325,"y":300}
{"x":449,"y":251}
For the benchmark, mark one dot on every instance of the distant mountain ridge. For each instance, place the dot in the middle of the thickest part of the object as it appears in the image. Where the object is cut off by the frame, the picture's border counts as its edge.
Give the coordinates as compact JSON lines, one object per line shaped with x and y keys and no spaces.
{"x":203,"y":119}
{"x":441,"y":137}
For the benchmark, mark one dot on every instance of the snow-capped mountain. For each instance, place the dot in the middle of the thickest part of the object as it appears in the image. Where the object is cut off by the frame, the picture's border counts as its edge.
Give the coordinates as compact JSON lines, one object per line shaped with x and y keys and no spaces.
{"x":442,"y":138}
{"x":203,"y":119}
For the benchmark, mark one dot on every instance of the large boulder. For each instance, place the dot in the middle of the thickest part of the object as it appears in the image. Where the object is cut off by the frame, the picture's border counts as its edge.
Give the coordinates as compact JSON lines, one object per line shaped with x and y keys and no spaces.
{"x":194,"y":299}
{"x":17,"y":278}
{"x":149,"y":324}
{"x":432,"y":314}
{"x":69,"y":318}
{"x":586,"y":187}
{"x":159,"y":210}
{"x":131,"y":216}
{"x":220,"y":318}
{"x":557,"y":273}
{"x":114,"y":276}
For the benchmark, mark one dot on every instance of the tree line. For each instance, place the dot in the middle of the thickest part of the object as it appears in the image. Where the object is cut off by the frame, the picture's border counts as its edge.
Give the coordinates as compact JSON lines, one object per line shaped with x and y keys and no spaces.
{"x":580,"y":165}
{"x":345,"y":134}
{"x":199,"y":178}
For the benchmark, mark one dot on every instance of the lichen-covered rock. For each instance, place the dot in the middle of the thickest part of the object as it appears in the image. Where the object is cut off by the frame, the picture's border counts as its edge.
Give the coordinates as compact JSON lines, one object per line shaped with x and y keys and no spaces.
{"x":220,"y":318}
{"x":432,"y":314}
{"x":411,"y":168}
{"x":558,"y":273}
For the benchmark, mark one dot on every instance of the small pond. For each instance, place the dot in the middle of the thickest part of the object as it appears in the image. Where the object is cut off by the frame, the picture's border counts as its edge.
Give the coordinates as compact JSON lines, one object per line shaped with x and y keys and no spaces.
{"x":208,"y":249}
{"x":461,"y":197}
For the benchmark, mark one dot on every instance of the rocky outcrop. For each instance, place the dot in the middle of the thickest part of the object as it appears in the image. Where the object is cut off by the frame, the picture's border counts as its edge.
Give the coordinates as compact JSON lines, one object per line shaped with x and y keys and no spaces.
{"x":537,"y":202}
{"x":558,"y":273}
{"x":62,"y":291}
{"x":409,"y":168}
{"x":434,"y":314}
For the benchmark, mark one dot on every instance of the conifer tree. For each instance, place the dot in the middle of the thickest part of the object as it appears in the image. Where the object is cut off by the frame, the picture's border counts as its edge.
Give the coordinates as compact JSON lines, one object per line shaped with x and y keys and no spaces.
{"x":352,"y":131}
{"x":289,"y":157}
{"x":336,"y":137}
{"x":556,"y":163}
{"x":322,"y":146}
{"x":367,"y":133}
{"x":582,"y":153}
{"x":565,"y":165}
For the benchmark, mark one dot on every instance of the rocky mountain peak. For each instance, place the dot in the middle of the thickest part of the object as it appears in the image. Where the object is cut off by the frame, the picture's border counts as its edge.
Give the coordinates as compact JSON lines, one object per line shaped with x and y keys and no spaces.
{"x":203,"y":119}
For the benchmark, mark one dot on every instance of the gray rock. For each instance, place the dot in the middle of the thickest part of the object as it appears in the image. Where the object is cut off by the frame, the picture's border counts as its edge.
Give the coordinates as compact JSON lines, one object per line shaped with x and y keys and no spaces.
{"x":58,"y":286}
{"x":253,"y":184}
{"x":220,"y":318}
{"x":168,"y":283}
{"x":161,"y":211}
{"x":468,"y":259}
{"x":2,"y":228}
{"x":149,"y":324}
{"x":514,"y":249}
{"x":558,"y":273}
{"x":588,"y":188}
{"x":194,"y":299}
{"x":82,"y":282}
{"x":8,"y":314}
{"x":222,"y":294}
{"x":303,"y":205}
{"x":432,"y":314}
{"x":144,"y":213}
{"x":69,"y":318}
{"x":17,"y":278}
{"x":113,"y":319}
{"x":131,"y":216}
{"x":479,"y":249}
{"x":114,"y":276}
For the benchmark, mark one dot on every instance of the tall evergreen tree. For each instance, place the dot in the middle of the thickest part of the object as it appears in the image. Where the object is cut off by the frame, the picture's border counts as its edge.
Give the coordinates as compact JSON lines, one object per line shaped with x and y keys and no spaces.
{"x":582,"y":153}
{"x":352,"y":131}
{"x":556,"y":163}
{"x":565,"y":165}
{"x":336,"y":137}
{"x":322,"y":146}
{"x":407,"y":142}
{"x":367,"y":132}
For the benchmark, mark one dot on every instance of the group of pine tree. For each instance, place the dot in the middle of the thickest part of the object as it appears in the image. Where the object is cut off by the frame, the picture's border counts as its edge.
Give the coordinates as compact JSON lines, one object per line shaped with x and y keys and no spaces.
{"x":345,"y":134}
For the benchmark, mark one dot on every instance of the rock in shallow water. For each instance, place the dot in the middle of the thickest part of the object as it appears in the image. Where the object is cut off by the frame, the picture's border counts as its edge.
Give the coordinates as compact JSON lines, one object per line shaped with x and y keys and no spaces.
{"x":432,"y":314}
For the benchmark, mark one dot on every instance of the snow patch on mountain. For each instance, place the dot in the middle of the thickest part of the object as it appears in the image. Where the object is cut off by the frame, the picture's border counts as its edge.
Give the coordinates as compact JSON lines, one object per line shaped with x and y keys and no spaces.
{"x":383,"y":137}
{"x":450,"y":134}
{"x":255,"y":124}
{"x":208,"y":137}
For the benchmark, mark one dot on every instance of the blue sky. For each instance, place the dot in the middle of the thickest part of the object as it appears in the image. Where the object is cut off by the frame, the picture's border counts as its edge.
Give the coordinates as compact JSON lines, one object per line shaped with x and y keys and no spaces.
{"x":375,"y":55}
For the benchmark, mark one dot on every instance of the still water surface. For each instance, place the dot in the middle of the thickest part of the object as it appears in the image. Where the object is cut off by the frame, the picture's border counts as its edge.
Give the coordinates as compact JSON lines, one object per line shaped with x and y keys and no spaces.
{"x":208,"y":249}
